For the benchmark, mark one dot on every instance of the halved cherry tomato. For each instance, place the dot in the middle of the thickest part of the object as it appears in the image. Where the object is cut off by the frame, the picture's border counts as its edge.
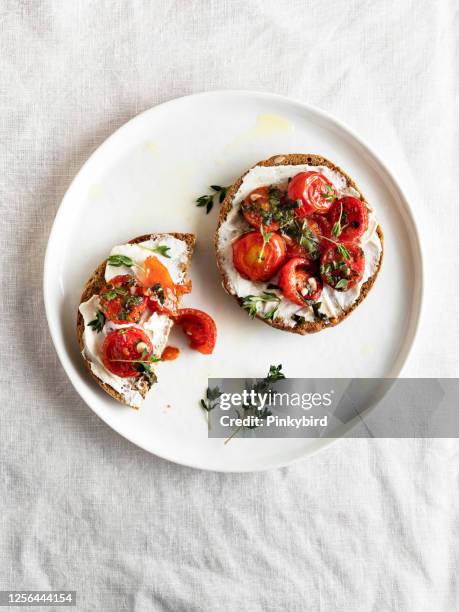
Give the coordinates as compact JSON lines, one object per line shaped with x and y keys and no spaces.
{"x":297,"y":283}
{"x":320,"y":225}
{"x":121,"y":299}
{"x":257,"y":260}
{"x":258,"y":209}
{"x":294,"y":249}
{"x":159,"y":288}
{"x":123,"y":348}
{"x":313,"y":190}
{"x":155,"y":272}
{"x":200,"y":327}
{"x":350,"y":216}
{"x":338,"y":270}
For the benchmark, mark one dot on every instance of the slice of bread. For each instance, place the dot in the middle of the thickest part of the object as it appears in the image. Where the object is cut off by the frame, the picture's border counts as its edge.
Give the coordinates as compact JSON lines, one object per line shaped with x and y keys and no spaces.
{"x":94,"y":285}
{"x":294,"y":159}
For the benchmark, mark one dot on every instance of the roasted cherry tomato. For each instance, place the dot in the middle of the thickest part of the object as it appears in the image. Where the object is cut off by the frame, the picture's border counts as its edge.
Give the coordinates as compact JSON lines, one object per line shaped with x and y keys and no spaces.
{"x":256,"y":259}
{"x":342,"y":266}
{"x":121,"y":299}
{"x":258,"y":209}
{"x":124,"y":350}
{"x":159,"y":288}
{"x":155,"y":272}
{"x":297,"y":283}
{"x":170,"y":353}
{"x":200,"y":328}
{"x":313,"y":190}
{"x":320,"y":225}
{"x":294,"y":249}
{"x":349,"y":217}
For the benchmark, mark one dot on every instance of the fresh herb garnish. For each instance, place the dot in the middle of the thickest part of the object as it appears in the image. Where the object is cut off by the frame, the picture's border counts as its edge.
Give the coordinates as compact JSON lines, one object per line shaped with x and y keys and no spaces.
{"x":159,"y":292}
{"x":303,"y":234}
{"x":161,"y":249}
{"x":299,"y":320}
{"x":266,"y":238}
{"x":250,"y":302}
{"x":211,"y":400}
{"x":329,"y":193}
{"x":316,"y":310}
{"x":271,"y":314}
{"x":98,"y":323}
{"x":111,"y":294}
{"x":251,"y":408}
{"x":337,"y":229}
{"x":120,"y":260}
{"x":134,"y":300}
{"x":343,"y":251}
{"x":342,"y":284}
{"x":208,"y":200}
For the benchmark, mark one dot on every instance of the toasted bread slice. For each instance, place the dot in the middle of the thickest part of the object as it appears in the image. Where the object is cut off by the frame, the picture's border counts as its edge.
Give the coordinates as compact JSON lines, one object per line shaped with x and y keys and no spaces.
{"x":93,"y":286}
{"x":294,"y":159}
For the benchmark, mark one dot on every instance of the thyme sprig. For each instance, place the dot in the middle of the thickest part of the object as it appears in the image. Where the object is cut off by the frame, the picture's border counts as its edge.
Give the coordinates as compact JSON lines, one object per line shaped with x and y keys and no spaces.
{"x":161,"y":249}
{"x":208,"y":200}
{"x":252,"y":408}
{"x":98,"y":323}
{"x":250,"y":303}
{"x":329,"y":193}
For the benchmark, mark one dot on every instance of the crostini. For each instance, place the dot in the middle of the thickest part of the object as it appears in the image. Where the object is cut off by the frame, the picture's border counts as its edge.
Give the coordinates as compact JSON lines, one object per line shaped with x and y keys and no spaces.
{"x":297,"y":244}
{"x":128,"y":308}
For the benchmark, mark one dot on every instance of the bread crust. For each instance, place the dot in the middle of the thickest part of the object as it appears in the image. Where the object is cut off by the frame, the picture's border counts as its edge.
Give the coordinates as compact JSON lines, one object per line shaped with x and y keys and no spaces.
{"x":294,"y":159}
{"x":95,"y":284}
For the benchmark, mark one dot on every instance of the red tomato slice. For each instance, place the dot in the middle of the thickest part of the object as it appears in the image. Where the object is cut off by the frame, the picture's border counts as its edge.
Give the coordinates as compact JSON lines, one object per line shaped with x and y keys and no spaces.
{"x":350,"y":217}
{"x":297,"y":283}
{"x":257,"y":260}
{"x":257,"y":209}
{"x":313,"y":190}
{"x":121,"y":299}
{"x":200,"y":327}
{"x":339,"y":271}
{"x":170,"y":353}
{"x":123,"y":348}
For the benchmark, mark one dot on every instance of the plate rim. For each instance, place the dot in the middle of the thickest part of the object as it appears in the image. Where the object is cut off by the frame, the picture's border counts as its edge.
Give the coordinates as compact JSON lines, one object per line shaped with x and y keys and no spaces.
{"x":312,"y":109}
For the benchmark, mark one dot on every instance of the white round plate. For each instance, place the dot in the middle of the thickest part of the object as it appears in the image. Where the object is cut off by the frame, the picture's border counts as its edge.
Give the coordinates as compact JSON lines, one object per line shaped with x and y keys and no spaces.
{"x":145,"y":178}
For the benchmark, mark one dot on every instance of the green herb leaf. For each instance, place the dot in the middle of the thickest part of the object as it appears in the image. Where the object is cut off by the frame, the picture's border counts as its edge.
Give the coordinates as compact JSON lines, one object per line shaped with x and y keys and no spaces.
{"x":160,"y":249}
{"x":120,"y":260}
{"x":271,"y":314}
{"x":207,"y":200}
{"x":343,"y":251}
{"x":316,"y":310}
{"x":329,"y":193}
{"x":159,"y":292}
{"x":299,"y":320}
{"x":250,"y":302}
{"x":341,"y":284}
{"x":98,"y":323}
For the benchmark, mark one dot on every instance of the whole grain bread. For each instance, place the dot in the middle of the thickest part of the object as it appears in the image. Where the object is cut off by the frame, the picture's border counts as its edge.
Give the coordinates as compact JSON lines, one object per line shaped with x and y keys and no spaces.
{"x":294,"y":159}
{"x":95,"y":284}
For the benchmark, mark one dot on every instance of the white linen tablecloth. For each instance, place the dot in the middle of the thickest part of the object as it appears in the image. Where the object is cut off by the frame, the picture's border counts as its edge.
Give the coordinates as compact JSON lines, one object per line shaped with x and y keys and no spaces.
{"x":365,"y":524}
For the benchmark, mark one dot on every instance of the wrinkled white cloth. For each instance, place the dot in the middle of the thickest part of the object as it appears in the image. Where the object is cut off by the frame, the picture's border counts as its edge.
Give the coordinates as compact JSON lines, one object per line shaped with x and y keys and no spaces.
{"x":364,"y":525}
